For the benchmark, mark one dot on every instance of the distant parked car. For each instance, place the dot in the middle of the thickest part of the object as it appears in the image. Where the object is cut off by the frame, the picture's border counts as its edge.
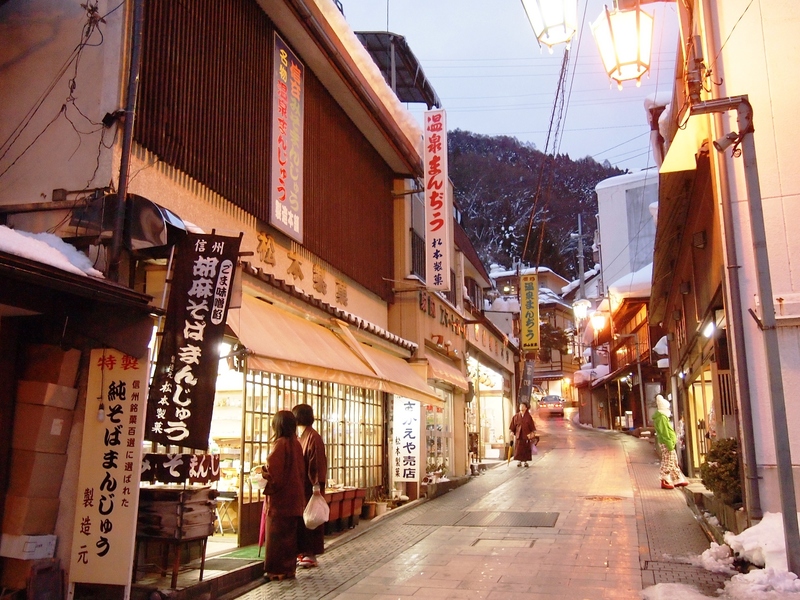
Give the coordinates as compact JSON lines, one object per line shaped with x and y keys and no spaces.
{"x":551,"y":405}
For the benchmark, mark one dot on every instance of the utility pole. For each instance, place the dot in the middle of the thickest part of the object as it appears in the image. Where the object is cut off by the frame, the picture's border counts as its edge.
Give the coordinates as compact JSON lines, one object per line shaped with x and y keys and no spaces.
{"x":582,"y":289}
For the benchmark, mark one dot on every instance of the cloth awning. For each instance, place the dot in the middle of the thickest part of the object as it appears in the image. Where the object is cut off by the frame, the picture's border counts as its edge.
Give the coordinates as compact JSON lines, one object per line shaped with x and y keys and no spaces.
{"x":682,"y":152}
{"x":280,"y":342}
{"x":445,"y":371}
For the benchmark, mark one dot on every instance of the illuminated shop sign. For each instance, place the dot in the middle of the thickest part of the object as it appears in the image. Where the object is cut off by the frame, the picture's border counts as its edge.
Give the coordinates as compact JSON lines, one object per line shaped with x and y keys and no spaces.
{"x":529,"y":313}
{"x":286,"y":185}
{"x":107,"y":500}
{"x":438,"y":215}
{"x":407,"y":446}
{"x":181,"y":399}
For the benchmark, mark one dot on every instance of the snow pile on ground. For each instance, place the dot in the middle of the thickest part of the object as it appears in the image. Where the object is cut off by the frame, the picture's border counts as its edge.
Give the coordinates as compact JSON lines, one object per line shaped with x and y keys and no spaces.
{"x":761,"y":545}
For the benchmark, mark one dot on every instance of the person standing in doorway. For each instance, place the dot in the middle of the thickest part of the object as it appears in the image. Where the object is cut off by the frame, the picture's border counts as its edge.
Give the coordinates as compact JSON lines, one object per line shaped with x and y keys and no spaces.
{"x":284,"y":501}
{"x":310,"y":542}
{"x":522,"y":429}
{"x":670,"y":472}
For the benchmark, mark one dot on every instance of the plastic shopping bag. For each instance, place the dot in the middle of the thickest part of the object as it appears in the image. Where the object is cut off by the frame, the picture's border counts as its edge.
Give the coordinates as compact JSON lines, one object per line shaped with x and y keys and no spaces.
{"x":317,"y":511}
{"x":534,"y":451}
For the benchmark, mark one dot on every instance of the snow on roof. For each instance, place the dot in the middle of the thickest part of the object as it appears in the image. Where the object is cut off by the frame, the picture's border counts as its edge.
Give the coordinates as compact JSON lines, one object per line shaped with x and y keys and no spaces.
{"x":48,"y":249}
{"x":372,"y":73}
{"x":633,"y":285}
{"x":577,"y":283}
{"x":627,"y":179}
{"x":496,"y":271}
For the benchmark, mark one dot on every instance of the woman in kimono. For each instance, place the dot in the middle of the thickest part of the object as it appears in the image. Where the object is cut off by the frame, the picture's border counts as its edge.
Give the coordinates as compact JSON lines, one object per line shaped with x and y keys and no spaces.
{"x":522,"y":429}
{"x":284,"y":502}
{"x":310,"y":542}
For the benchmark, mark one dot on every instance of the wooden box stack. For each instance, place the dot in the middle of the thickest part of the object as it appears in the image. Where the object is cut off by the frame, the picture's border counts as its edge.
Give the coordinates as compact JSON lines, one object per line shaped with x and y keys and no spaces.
{"x":45,"y":403}
{"x":175,"y":513}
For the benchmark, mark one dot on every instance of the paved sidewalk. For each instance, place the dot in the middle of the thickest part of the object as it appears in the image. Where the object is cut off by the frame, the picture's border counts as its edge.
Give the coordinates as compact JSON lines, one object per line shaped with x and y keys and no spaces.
{"x":587,"y":520}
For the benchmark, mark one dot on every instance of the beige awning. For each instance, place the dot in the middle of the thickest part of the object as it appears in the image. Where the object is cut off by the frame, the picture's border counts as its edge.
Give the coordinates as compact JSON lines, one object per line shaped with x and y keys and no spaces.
{"x":281,"y":342}
{"x":446,"y":371}
{"x":682,"y":152}
{"x":400,"y":378}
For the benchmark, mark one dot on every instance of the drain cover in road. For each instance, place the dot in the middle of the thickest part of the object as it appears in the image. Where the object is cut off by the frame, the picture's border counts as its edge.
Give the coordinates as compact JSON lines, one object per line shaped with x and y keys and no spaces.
{"x":524,"y":519}
{"x":483,"y":518}
{"x":438,"y":517}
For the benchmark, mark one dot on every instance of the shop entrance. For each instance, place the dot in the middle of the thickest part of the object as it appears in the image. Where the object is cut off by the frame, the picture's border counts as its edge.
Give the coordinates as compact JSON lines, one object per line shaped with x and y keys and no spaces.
{"x":349,"y":419}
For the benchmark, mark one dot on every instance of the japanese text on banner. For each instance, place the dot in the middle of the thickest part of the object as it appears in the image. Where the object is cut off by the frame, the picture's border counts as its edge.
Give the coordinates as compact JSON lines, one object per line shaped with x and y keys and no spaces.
{"x":438,"y":209}
{"x":529,"y":312}
{"x":286,"y":193}
{"x":107,"y":501}
{"x":406,"y":451}
{"x":181,"y":397}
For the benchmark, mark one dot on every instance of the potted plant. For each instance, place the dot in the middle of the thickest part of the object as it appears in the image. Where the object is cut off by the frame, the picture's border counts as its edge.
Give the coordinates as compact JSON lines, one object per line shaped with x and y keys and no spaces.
{"x":382,"y":503}
{"x":369,"y":507}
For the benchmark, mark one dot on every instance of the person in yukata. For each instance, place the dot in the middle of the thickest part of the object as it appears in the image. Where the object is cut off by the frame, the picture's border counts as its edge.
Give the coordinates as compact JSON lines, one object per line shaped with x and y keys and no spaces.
{"x":522,"y":429}
{"x":310,"y":542}
{"x":284,"y":499}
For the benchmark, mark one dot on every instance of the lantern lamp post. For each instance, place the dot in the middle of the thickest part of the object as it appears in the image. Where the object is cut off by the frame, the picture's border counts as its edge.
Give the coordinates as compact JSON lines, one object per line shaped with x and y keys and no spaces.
{"x":625,"y":39}
{"x":553,"y":21}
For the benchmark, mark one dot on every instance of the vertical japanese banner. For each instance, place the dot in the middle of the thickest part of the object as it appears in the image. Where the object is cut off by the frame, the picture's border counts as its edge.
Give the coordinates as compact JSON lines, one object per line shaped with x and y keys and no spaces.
{"x":438,"y":213}
{"x":408,"y":440}
{"x":529,"y":313}
{"x":107,"y":499}
{"x":526,"y":386}
{"x":181,"y":400}
{"x":286,"y":181}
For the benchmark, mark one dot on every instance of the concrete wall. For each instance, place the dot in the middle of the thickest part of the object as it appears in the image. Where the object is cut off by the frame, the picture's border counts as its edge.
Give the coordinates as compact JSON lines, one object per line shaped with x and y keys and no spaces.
{"x":759,"y":60}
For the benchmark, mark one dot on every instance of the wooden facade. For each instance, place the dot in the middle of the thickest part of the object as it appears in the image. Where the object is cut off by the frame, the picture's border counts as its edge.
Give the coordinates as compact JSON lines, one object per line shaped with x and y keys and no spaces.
{"x":213,"y":122}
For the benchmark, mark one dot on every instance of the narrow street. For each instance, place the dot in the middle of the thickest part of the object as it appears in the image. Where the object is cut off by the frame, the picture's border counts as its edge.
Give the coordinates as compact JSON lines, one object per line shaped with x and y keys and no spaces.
{"x":587,"y":520}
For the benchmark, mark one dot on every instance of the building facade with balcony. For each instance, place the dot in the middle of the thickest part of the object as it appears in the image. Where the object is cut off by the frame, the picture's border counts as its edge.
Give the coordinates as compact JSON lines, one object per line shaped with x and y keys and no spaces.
{"x":330,"y":307}
{"x":723,"y":278}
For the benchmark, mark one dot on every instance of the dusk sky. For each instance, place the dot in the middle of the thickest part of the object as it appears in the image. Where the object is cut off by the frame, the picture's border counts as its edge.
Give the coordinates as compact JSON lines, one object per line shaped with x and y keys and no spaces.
{"x":483,"y":60}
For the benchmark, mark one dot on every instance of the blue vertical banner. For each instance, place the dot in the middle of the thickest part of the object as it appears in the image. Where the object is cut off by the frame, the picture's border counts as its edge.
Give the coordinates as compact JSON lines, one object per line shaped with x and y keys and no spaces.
{"x":181,"y":399}
{"x":286,"y":180}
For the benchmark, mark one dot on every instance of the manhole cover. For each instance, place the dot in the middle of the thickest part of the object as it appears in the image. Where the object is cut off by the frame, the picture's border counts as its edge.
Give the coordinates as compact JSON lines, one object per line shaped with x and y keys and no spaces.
{"x":603,"y":498}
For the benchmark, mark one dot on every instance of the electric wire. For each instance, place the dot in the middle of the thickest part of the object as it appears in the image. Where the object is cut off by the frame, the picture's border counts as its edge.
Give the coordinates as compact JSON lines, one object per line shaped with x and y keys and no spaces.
{"x":88,"y":30}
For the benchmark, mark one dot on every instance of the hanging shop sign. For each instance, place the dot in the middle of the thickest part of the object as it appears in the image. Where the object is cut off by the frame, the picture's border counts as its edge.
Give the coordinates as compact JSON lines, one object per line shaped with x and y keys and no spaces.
{"x":286,"y":185}
{"x":181,"y":398}
{"x":447,"y":318}
{"x":107,"y":500}
{"x":438,"y":221}
{"x":526,"y":387}
{"x":180,"y":468}
{"x":529,"y":312}
{"x":407,"y":446}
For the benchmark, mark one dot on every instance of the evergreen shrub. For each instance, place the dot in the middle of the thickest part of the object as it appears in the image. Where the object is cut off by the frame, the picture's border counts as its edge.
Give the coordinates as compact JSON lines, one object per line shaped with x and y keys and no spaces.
{"x":720,"y":473}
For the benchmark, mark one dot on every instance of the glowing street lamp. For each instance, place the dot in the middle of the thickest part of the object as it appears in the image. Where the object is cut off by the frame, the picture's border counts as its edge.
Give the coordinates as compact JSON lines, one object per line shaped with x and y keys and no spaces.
{"x":553,"y":21}
{"x":625,"y":40}
{"x":580,"y":308}
{"x":598,"y":321}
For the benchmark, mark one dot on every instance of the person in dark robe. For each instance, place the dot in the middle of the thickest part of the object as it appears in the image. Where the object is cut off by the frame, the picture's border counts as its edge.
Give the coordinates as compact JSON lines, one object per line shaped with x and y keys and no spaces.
{"x":284,"y":501}
{"x":311,"y":542}
{"x":523,"y":430}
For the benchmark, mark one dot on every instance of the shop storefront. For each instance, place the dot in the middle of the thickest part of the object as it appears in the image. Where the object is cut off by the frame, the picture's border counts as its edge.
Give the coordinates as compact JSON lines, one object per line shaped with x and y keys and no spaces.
{"x":490,"y":367}
{"x":279,"y":358}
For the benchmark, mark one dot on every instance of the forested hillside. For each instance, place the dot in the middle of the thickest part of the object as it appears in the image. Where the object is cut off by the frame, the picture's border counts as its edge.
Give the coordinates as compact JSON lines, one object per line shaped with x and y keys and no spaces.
{"x":497,"y":182}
